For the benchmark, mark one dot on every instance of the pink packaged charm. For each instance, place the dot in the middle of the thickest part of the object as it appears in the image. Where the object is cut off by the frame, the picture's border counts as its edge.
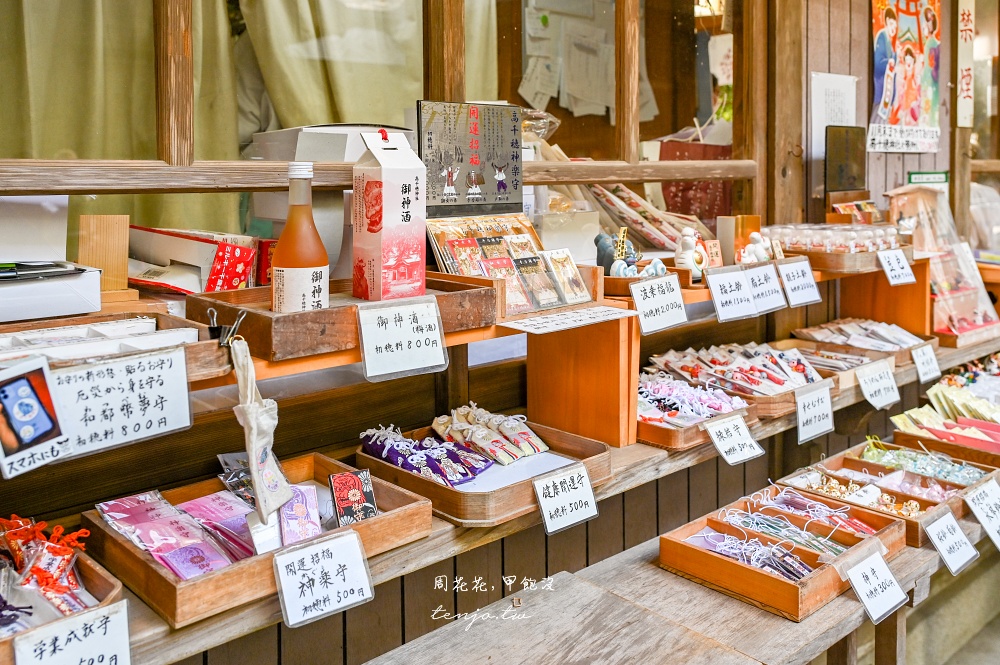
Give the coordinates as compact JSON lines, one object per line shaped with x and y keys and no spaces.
{"x":300,"y":516}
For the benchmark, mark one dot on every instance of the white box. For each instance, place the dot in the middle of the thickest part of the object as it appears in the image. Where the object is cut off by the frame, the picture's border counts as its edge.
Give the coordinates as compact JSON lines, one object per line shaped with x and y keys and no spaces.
{"x":573,"y":230}
{"x":33,"y":228}
{"x":53,"y":296}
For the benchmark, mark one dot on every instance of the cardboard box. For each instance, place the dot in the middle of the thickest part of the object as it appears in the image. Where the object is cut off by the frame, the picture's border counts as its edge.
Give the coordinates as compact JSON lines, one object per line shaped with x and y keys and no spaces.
{"x":33,"y":228}
{"x":189,"y":262}
{"x":21,"y":300}
{"x":389,"y":220}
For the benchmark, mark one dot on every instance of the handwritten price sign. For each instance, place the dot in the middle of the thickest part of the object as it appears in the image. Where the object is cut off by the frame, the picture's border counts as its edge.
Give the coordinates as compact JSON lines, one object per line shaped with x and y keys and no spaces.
{"x":97,"y":636}
{"x":814,"y":412}
{"x":878,"y":384}
{"x":731,"y":294}
{"x":659,"y":302}
{"x":402,"y":338}
{"x":876,"y":587}
{"x":799,"y":282}
{"x":985,"y":504}
{"x":566,"y":498}
{"x":731,"y":437}
{"x":896,"y":268}
{"x":951,"y":543}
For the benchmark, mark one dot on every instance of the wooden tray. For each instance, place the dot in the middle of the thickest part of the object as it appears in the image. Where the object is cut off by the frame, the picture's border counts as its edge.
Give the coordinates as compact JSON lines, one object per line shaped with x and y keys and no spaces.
{"x":593,"y":278}
{"x":275,"y":336}
{"x":981,"y":458}
{"x":960,"y":341}
{"x":621,"y":286}
{"x":99,"y":582}
{"x":682,"y":439}
{"x":768,"y":407}
{"x":849,"y":263}
{"x":793,"y":600}
{"x":205,"y":359}
{"x":842,"y":380}
{"x":486,"y":509}
{"x":915,"y":534}
{"x":406,"y":518}
{"x":902,"y":357}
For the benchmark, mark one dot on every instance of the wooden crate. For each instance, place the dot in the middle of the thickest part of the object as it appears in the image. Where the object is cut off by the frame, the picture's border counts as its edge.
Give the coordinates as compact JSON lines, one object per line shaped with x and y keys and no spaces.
{"x":98,"y":582}
{"x":621,"y":286}
{"x":275,"y":336}
{"x":902,"y":357}
{"x":792,"y":600}
{"x":962,"y":340}
{"x":593,"y":277}
{"x":844,"y":262}
{"x":487,"y":509}
{"x":405,"y":518}
{"x":915,"y":534}
{"x":767,"y":407}
{"x":977,"y":456}
{"x":205,"y":359}
{"x":842,"y":380}
{"x":675,"y":439}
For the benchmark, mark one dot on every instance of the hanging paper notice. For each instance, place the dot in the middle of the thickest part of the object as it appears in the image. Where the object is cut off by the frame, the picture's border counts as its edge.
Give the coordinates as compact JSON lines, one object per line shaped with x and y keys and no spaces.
{"x":98,"y":636}
{"x":565,"y":498}
{"x":876,"y":587}
{"x":814,"y":411}
{"x":966,"y":33}
{"x":659,"y":302}
{"x":799,"y":282}
{"x":952,"y":544}
{"x":731,"y":294}
{"x":897,"y":269}
{"x":766,"y":288}
{"x":927,"y":363}
{"x":878,"y":384}
{"x":985,"y":504}
{"x":322,"y":577}
{"x":731,"y":437}
{"x":401,"y":338}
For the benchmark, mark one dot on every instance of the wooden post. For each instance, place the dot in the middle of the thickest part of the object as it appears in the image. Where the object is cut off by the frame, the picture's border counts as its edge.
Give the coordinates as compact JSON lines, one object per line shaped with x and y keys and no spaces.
{"x":961,"y":175}
{"x":890,"y":639}
{"x":786,"y":88}
{"x":444,"y":50}
{"x":627,"y":80}
{"x":750,"y":137}
{"x":104,"y":244}
{"x":844,"y":652}
{"x":172,"y":21}
{"x":451,"y":387}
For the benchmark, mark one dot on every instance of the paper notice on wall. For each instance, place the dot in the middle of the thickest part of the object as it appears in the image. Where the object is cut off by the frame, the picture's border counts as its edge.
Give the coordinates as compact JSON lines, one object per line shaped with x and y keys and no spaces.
{"x":583,"y":8}
{"x":585,"y":64}
{"x":720,"y":58}
{"x":832,"y":103}
{"x":966,"y":33}
{"x":539,"y":83}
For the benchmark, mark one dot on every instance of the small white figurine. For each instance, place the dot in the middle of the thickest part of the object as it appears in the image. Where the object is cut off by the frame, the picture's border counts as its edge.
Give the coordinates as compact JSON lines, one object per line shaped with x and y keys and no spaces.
{"x":765,"y":234}
{"x":891,"y":238}
{"x":687,"y":257}
{"x":757,"y":248}
{"x":828,"y":241}
{"x":880,"y":239}
{"x":868,"y":241}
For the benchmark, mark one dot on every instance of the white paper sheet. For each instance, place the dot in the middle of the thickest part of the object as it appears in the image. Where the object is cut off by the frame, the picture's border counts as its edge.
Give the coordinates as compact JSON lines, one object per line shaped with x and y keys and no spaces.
{"x":832,"y":102}
{"x":498,"y":476}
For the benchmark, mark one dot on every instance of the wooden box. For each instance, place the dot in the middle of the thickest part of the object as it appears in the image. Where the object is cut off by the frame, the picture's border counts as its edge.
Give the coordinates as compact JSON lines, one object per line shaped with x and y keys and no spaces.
{"x":205,"y":359}
{"x":902,"y":357}
{"x":962,"y":340}
{"x":844,"y":262}
{"x":842,"y":380}
{"x":276,"y":336}
{"x":792,"y":600}
{"x":671,"y":438}
{"x":486,"y":509}
{"x":979,"y":457}
{"x":593,"y":278}
{"x":915,"y":535}
{"x":405,"y":518}
{"x":767,"y":407}
{"x":621,"y":286}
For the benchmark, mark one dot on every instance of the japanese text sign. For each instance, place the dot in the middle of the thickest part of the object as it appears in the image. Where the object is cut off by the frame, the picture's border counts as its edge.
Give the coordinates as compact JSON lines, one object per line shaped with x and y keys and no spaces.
{"x":731,"y":437}
{"x":97,"y":636}
{"x":799,"y":282}
{"x":401,"y":338}
{"x":565,"y":497}
{"x":877,"y":383}
{"x":659,"y":302}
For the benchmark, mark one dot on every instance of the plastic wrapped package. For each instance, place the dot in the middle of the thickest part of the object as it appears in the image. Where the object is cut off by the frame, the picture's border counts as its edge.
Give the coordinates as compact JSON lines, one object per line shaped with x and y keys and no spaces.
{"x":541,"y":124}
{"x":984,"y":227}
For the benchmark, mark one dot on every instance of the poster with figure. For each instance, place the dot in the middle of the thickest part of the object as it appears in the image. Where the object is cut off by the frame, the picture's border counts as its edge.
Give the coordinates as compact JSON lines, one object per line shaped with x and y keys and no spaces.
{"x":907,"y":53}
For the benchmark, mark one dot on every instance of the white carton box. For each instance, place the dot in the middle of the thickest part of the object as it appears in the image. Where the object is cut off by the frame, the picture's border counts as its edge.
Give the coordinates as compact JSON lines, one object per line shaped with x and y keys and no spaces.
{"x":53,"y":296}
{"x":33,"y":228}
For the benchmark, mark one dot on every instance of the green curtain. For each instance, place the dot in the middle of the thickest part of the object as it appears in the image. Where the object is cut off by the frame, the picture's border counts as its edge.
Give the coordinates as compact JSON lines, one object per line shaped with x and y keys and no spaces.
{"x":79,"y":83}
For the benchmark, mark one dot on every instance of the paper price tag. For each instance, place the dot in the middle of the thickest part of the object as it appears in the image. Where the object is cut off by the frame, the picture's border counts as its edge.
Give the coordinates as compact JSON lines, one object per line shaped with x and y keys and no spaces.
{"x":876,"y":587}
{"x":731,"y":437}
{"x":714,"y":249}
{"x":813,"y":412}
{"x":659,"y":302}
{"x":896,"y":268}
{"x":927,"y":363}
{"x":951,"y":543}
{"x":731,"y":294}
{"x":799,"y":283}
{"x":878,"y":384}
{"x":322,"y":577}
{"x":98,"y":636}
{"x":576,"y":318}
{"x":985,"y":504}
{"x":565,"y":497}
{"x":401,"y":338}
{"x":765,"y":288}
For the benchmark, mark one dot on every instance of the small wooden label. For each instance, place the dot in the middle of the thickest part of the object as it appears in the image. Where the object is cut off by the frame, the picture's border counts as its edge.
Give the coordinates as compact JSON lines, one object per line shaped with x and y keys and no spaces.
{"x":659,"y":302}
{"x":565,"y":497}
{"x":766,"y":288}
{"x":927,"y":363}
{"x":731,"y":437}
{"x":877,"y":383}
{"x":814,"y":412}
{"x":876,"y":587}
{"x":401,"y":338}
{"x":714,"y":248}
{"x":621,"y":248}
{"x":896,"y":268}
{"x":799,"y":282}
{"x":98,"y":636}
{"x":985,"y":504}
{"x":952,"y":544}
{"x":322,"y":577}
{"x":731,"y":294}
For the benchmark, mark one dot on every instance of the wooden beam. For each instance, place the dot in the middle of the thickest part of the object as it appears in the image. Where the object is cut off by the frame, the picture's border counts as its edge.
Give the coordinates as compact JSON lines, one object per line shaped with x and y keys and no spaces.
{"x":785,"y":159}
{"x":627,"y":80}
{"x":444,"y":50}
{"x":984,"y":165}
{"x":31,"y":176}
{"x":750,"y":101}
{"x":172,"y":21}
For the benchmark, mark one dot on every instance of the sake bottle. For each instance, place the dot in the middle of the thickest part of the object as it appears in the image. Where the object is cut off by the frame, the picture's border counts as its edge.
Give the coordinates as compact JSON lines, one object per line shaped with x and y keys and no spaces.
{"x":300,"y":267}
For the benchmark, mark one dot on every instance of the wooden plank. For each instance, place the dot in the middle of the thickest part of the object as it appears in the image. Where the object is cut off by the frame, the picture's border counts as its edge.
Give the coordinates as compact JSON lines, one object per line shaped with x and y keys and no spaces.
{"x":786,"y":87}
{"x":524,"y":558}
{"x":702,"y":495}
{"x":197,"y":659}
{"x":451,"y":387}
{"x":257,"y":648}
{"x":750,"y":130}
{"x":172,"y":43}
{"x":301,"y":646}
{"x":567,"y":550}
{"x":844,"y":651}
{"x":672,"y":497}
{"x":961,"y":176}
{"x":730,"y":481}
{"x":104,"y":244}
{"x":859,"y":26}
{"x":376,"y":627}
{"x":606,"y":532}
{"x":627,"y":80}
{"x":755,"y":472}
{"x":444,"y":50}
{"x":427,"y":594}
{"x":640,"y":506}
{"x":817,"y":60}
{"x":499,"y":386}
{"x":890,"y":639}
{"x":486,"y":563}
